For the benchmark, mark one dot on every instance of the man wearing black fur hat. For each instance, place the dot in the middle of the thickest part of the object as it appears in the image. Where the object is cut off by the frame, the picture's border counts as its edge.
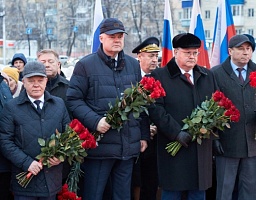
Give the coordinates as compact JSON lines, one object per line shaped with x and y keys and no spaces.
{"x":144,"y":180}
{"x":186,"y":85}
{"x":98,"y":79}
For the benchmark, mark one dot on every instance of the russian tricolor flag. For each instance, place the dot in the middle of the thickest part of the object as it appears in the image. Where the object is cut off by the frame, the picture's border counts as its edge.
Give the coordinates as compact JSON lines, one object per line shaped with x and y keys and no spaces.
{"x":167,"y":35}
{"x":224,"y":29}
{"x":197,"y":28}
{"x":98,"y":17}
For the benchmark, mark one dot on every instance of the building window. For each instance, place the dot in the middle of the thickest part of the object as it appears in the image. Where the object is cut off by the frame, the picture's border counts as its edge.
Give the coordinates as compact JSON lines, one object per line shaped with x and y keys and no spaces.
{"x":250,"y":31}
{"x":250,"y":12}
{"x":239,"y":31}
{"x":187,"y":13}
{"x":180,"y":15}
{"x":237,"y":10}
{"x":207,"y":14}
{"x":207,"y":33}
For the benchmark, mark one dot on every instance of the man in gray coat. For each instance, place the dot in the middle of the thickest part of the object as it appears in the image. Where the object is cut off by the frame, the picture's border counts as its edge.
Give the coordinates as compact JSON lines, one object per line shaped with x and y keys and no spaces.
{"x":236,"y":148}
{"x":191,"y":169}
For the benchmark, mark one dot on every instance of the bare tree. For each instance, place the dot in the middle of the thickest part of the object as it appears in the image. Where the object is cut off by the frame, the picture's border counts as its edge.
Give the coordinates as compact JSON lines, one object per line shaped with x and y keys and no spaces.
{"x":137,"y":16}
{"x":156,"y":17}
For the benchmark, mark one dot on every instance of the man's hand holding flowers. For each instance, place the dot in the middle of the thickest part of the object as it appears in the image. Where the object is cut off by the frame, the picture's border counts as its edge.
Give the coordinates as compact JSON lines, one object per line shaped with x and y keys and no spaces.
{"x":184,"y":138}
{"x":35,"y":167}
{"x":54,"y":161}
{"x":212,"y":114}
{"x":70,"y":145}
{"x":134,"y":100}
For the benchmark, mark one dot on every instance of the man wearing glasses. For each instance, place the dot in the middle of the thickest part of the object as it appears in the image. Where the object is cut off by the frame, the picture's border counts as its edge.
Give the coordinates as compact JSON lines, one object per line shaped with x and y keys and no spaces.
{"x":186,"y":85}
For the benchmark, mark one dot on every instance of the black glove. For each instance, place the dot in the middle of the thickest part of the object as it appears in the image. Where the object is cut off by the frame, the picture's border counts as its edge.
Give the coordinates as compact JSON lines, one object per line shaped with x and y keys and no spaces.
{"x":184,"y":138}
{"x":217,"y":147}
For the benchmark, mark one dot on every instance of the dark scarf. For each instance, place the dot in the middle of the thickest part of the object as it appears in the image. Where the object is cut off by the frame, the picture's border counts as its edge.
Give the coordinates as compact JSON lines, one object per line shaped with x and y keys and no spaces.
{"x":110,"y":62}
{"x":51,"y":82}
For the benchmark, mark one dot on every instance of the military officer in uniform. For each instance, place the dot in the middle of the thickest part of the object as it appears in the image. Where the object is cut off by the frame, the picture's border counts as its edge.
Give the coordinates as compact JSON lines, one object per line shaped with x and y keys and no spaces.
{"x":144,"y":180}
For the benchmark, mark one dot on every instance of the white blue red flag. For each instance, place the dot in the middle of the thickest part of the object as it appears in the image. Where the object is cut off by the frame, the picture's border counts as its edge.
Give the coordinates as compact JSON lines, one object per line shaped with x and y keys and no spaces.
{"x":224,"y":29}
{"x":197,"y":28}
{"x":98,"y":17}
{"x":167,"y":53}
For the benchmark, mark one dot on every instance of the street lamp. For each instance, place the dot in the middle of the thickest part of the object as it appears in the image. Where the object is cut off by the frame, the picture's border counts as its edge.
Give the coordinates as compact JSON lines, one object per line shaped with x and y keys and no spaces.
{"x":2,"y":14}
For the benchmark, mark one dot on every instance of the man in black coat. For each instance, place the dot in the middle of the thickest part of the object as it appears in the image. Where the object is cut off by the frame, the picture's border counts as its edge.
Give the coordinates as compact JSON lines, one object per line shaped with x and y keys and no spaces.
{"x":57,"y":85}
{"x":236,"y":148}
{"x":186,"y":85}
{"x":145,"y":180}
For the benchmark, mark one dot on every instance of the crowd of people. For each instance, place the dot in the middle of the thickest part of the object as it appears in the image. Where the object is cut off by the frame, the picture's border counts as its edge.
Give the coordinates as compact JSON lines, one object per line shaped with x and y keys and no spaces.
{"x":131,"y":163}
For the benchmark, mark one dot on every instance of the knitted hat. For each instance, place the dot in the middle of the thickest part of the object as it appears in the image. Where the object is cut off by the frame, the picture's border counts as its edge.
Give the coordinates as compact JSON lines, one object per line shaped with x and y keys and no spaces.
{"x":12,"y":72}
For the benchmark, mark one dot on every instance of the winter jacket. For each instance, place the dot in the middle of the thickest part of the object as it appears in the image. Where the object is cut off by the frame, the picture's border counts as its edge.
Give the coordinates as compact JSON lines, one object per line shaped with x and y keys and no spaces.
{"x":5,"y":96}
{"x":96,"y":82}
{"x":20,"y":127}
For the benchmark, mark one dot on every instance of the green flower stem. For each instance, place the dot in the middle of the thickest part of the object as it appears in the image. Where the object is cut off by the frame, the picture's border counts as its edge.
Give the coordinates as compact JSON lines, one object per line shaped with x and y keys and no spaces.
{"x":212,"y":104}
{"x":173,"y":147}
{"x":73,"y":177}
{"x":214,"y":112}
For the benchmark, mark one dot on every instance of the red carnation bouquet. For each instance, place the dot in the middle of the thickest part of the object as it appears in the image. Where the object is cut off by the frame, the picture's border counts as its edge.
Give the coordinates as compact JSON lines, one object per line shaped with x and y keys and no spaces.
{"x":134,"y":100}
{"x":70,"y":145}
{"x":214,"y":113}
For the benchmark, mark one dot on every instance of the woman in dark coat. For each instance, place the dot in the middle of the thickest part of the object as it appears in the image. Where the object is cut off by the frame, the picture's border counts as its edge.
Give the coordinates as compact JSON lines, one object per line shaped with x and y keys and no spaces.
{"x":191,"y":169}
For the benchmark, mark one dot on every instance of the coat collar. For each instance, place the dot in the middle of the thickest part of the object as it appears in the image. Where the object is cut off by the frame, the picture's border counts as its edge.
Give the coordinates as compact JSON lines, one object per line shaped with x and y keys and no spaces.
{"x":251,"y":66}
{"x":227,"y":66}
{"x":23,"y":97}
{"x":174,"y":70}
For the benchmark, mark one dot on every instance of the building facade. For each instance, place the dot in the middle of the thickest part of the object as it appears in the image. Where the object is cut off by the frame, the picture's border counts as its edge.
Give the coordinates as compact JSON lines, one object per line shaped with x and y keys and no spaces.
{"x":66,"y":25}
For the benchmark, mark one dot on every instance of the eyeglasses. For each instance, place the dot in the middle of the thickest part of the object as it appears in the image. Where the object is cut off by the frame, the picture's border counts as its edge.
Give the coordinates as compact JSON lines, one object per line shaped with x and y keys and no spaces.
{"x":188,"y":53}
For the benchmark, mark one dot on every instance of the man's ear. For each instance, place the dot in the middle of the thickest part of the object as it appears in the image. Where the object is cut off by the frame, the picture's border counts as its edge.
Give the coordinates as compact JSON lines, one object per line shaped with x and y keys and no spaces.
{"x":139,"y":56}
{"x":100,"y":37}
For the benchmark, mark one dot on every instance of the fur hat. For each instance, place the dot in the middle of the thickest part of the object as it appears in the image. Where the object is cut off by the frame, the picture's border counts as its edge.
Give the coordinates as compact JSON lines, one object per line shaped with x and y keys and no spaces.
{"x":186,"y":40}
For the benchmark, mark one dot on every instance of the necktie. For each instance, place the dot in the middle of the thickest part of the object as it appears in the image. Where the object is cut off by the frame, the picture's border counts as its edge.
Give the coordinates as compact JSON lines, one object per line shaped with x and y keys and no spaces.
{"x":38,"y":108}
{"x":188,"y":78}
{"x":240,"y":74}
